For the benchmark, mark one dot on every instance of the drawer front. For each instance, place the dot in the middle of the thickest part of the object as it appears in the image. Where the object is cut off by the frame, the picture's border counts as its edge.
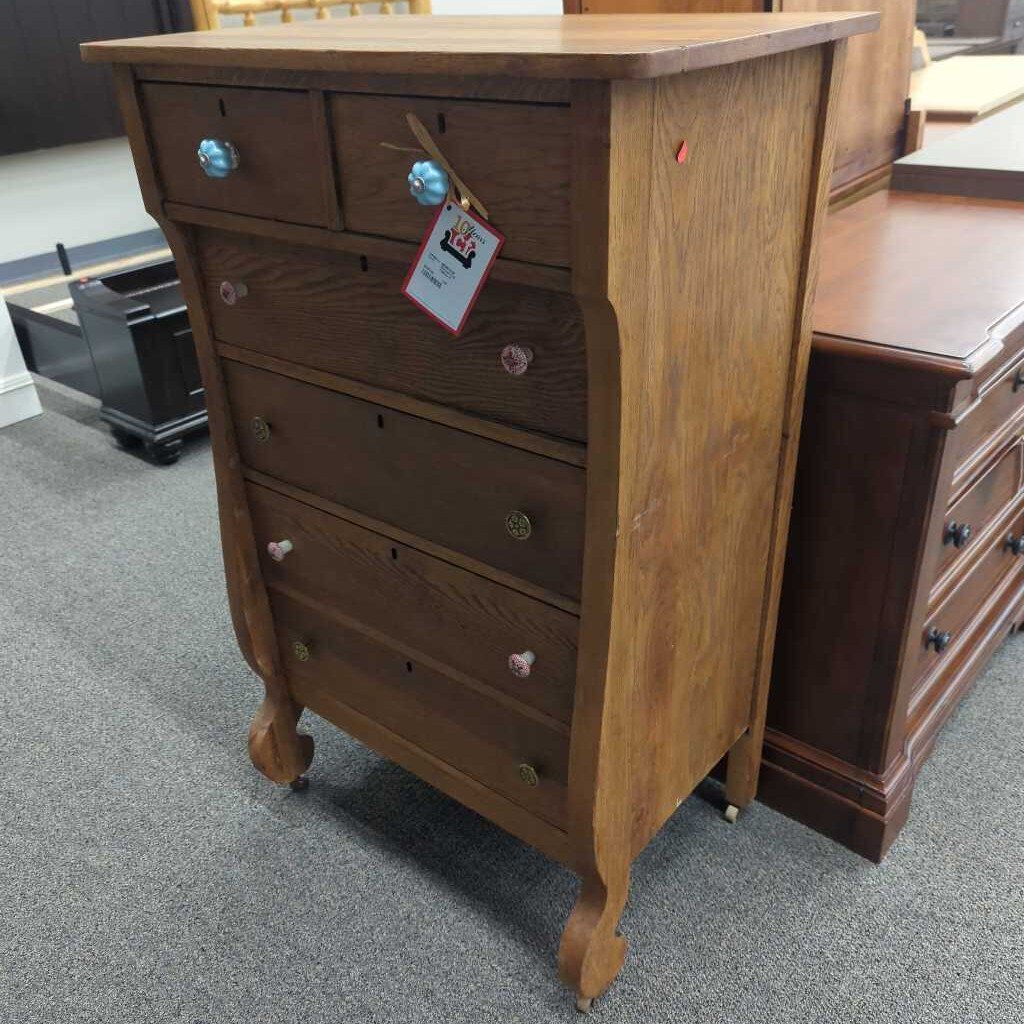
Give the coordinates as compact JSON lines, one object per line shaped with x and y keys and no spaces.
{"x":345,"y":314}
{"x":514,"y":156}
{"x":456,"y":617}
{"x":971,"y":515}
{"x":1003,"y":402}
{"x":447,"y":486}
{"x":283,"y":168}
{"x":466,"y":729}
{"x":957,"y":612}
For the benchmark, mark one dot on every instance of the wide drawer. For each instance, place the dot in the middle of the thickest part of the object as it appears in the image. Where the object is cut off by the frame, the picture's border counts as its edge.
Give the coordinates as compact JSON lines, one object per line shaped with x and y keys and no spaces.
{"x":511,"y":509}
{"x":514,"y":156}
{"x":283,"y":170}
{"x":970,"y":516}
{"x":509,"y":752}
{"x":949,"y":624}
{"x":1001,"y":403}
{"x":455,"y":617}
{"x":344,"y":313}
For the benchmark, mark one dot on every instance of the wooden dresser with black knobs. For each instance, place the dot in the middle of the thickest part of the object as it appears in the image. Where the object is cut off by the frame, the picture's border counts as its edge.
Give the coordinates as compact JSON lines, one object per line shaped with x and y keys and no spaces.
{"x":536,"y":564}
{"x":905,"y":567}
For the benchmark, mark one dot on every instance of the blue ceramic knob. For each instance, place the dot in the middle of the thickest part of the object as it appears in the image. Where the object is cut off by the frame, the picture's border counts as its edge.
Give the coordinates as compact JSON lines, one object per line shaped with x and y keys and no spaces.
{"x":428,"y":183}
{"x":217,"y":158}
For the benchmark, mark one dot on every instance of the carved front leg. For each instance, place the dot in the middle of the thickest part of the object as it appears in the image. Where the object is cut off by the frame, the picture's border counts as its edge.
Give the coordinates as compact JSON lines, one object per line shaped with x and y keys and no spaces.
{"x":593,"y":950}
{"x":276,"y":747}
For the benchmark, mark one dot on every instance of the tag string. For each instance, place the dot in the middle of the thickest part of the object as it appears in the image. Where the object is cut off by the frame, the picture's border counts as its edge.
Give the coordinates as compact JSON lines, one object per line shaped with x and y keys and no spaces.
{"x":465,"y":196}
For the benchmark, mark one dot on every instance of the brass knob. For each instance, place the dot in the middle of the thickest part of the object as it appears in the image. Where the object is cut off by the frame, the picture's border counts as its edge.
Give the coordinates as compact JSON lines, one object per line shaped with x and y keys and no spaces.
{"x":260,"y":429}
{"x":301,"y":650}
{"x":939,"y":639}
{"x":528,"y":774}
{"x":518,"y":525}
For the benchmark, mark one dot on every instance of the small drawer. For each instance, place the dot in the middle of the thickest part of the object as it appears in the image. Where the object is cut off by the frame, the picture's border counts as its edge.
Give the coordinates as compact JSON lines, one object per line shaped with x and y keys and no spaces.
{"x":514,"y":156}
{"x":508,"y":508}
{"x":1001,"y":403}
{"x":971,"y":515}
{"x":462,"y":620}
{"x":345,"y":314}
{"x":950,"y":624}
{"x":327,"y":663}
{"x":283,"y":170}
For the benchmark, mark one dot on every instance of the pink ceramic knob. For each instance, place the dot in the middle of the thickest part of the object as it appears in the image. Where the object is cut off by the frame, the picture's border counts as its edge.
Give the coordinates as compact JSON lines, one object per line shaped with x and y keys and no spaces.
{"x":277,"y":549}
{"x":519,"y":664}
{"x":516,"y":358}
{"x":230,"y":293}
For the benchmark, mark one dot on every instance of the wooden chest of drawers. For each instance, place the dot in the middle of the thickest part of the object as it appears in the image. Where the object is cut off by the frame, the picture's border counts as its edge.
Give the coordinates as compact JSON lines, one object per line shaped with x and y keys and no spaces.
{"x":550,"y":593}
{"x":905,"y":565}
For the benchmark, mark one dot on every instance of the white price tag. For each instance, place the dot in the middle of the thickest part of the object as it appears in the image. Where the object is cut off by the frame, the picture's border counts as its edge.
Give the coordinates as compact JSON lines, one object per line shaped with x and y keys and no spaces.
{"x":452,"y":265}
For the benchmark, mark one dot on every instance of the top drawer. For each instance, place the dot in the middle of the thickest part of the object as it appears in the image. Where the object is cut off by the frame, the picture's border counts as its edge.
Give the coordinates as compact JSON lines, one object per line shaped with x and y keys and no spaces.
{"x":283,"y":170}
{"x":514,"y":156}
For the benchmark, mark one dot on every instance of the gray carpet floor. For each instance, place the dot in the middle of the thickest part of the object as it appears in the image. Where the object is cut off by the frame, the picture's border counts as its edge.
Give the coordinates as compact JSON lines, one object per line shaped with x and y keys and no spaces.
{"x":148,"y":874}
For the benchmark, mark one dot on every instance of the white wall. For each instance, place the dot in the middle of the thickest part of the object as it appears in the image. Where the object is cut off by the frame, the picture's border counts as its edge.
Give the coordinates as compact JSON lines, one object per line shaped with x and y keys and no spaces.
{"x":18,"y":398}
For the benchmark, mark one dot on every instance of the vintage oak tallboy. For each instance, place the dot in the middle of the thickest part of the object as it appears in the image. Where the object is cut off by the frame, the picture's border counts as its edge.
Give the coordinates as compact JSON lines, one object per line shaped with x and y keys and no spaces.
{"x":537,"y":564}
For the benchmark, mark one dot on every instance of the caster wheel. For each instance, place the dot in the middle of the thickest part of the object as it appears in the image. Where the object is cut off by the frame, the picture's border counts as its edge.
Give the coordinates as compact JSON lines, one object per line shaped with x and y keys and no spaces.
{"x":299,"y":785}
{"x":732,"y":812}
{"x":584,"y":1005}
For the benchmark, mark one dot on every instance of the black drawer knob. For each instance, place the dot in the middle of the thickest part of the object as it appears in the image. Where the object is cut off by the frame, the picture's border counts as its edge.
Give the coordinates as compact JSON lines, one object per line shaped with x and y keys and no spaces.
{"x":957,"y":534}
{"x":939,"y":639}
{"x":1015,"y":545}
{"x":1018,"y":381}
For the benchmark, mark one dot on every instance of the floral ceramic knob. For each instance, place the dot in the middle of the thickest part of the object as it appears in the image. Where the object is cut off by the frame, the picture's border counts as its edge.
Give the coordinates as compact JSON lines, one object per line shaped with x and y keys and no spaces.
{"x":520,"y":664}
{"x":277,"y":549}
{"x":217,"y":158}
{"x":428,"y":183}
{"x":516,"y":358}
{"x":231,"y":292}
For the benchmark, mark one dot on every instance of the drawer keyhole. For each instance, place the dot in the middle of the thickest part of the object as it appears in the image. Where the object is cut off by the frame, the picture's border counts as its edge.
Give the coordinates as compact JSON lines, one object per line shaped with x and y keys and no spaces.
{"x":442,"y":127}
{"x":220,"y":104}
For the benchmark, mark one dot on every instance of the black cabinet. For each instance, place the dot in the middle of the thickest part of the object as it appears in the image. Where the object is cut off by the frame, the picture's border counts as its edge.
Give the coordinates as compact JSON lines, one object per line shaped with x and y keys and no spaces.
{"x":137,"y":330}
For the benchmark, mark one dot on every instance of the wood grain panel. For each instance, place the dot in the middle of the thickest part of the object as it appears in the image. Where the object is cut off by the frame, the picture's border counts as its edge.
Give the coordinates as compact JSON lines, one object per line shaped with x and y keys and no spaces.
{"x":344,"y":313}
{"x":514,"y":156}
{"x":463,"y":728}
{"x":447,"y":486}
{"x":447,"y":614}
{"x":591,"y":46}
{"x":283,"y":172}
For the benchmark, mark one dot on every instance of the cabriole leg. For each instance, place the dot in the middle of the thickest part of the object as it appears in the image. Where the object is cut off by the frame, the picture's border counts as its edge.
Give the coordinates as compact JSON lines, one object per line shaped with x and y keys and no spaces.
{"x":276,"y":747}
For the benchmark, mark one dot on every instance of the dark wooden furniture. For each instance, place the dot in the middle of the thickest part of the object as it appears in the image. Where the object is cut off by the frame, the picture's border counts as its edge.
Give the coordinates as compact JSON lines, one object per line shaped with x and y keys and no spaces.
{"x":141,"y":349}
{"x":985,"y":160}
{"x":905,"y":565}
{"x":551,"y":594}
{"x":873,"y":100}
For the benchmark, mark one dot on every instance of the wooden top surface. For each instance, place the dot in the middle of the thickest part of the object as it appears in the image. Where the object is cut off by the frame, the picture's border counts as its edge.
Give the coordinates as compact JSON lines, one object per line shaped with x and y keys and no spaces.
{"x":967,"y":88}
{"x":576,"y":46}
{"x":995,"y":144}
{"x":922,"y":273}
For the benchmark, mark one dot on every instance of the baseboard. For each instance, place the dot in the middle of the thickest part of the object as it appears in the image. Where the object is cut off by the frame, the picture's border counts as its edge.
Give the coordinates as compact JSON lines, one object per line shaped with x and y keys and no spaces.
{"x":18,"y":399}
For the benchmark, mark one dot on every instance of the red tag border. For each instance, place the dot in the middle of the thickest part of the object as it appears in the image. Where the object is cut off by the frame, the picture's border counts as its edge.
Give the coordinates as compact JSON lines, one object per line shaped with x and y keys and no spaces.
{"x":483,"y":278}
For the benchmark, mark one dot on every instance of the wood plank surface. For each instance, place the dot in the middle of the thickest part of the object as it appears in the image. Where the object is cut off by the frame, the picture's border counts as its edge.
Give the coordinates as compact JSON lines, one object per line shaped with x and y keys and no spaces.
{"x":968,"y":88}
{"x":984,"y":160}
{"x":447,"y":486}
{"x":447,"y":614}
{"x":344,"y":313}
{"x":889,"y":264}
{"x":584,"y":46}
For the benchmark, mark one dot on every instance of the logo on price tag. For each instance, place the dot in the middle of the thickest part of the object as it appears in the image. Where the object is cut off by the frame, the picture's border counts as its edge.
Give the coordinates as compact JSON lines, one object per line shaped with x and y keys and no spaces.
{"x":452,"y":265}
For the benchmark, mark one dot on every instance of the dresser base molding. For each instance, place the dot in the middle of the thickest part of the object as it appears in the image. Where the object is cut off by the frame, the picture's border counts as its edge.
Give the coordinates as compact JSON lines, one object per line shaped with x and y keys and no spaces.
{"x":858,"y":809}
